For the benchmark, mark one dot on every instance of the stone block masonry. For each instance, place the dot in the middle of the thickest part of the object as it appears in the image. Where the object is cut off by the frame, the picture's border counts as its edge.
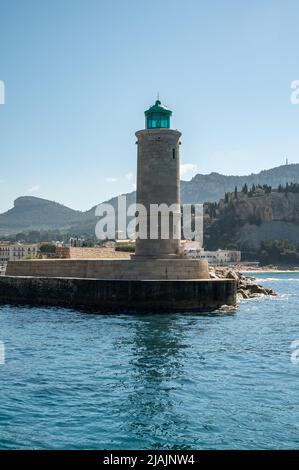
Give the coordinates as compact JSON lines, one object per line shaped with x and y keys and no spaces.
{"x":158,"y":182}
{"x":145,"y":269}
{"x":90,"y":253}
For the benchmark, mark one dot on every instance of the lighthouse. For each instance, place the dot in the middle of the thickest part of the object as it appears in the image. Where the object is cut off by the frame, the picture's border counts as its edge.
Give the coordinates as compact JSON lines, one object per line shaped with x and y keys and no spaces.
{"x":158,"y":183}
{"x":157,"y":278}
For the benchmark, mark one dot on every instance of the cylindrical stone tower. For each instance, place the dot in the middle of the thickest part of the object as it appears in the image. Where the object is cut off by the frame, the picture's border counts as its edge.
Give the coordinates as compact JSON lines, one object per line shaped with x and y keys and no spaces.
{"x":158,"y":182}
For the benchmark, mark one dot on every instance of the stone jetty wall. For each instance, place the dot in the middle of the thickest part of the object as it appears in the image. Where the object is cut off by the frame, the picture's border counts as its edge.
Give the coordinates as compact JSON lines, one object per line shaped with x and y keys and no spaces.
{"x":120,"y":295}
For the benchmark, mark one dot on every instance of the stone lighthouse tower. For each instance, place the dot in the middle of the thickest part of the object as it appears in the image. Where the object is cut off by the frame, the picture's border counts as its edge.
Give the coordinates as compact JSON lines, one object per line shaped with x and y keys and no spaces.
{"x":157,"y":278}
{"x":158,"y":183}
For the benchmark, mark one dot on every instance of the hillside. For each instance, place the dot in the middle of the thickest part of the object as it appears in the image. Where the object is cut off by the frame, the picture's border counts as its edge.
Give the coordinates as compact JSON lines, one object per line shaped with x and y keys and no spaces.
{"x":32,"y":213}
{"x":87,"y":222}
{"x":243,"y":221}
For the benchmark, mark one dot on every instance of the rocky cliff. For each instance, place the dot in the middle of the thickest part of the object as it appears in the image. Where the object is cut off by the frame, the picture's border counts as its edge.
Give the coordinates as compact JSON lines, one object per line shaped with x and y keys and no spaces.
{"x":245,"y":221}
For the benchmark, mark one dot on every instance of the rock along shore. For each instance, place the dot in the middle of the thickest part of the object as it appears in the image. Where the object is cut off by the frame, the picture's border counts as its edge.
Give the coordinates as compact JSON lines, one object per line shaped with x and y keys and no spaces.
{"x":247,"y":288}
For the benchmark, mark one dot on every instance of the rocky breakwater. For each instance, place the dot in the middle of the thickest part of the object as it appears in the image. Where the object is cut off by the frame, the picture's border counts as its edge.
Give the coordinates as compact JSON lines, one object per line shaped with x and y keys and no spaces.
{"x":247,"y":286}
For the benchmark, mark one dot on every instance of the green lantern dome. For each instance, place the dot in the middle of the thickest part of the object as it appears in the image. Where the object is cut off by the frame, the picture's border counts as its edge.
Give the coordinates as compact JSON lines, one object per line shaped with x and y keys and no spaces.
{"x":157,"y":116}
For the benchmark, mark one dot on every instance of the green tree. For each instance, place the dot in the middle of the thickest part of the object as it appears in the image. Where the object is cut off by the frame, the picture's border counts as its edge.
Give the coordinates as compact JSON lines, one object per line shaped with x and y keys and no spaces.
{"x":245,"y":189}
{"x":47,"y":248}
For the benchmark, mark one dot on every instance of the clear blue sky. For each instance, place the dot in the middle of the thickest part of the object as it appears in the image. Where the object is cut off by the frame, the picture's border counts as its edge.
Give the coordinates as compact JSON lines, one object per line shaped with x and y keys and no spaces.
{"x":80,"y":73}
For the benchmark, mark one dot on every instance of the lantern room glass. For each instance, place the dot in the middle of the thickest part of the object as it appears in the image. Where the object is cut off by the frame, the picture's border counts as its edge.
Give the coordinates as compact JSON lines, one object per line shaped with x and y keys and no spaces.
{"x":157,"y":116}
{"x":157,"y":121}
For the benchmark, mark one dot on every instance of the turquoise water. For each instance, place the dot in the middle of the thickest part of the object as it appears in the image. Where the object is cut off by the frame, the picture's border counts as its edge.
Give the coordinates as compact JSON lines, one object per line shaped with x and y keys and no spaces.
{"x":82,"y":381}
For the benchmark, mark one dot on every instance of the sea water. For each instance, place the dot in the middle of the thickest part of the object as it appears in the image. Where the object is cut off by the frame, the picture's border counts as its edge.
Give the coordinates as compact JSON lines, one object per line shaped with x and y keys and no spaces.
{"x":76,"y":380}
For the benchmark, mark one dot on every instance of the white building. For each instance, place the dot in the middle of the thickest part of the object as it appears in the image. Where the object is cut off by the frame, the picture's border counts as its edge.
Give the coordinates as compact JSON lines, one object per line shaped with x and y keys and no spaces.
{"x":219,"y":257}
{"x":17,"y":251}
{"x":77,"y":242}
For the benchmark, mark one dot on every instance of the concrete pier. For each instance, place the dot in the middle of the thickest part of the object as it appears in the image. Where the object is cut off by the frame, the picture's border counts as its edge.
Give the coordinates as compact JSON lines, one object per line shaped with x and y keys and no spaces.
{"x":104,"y":296}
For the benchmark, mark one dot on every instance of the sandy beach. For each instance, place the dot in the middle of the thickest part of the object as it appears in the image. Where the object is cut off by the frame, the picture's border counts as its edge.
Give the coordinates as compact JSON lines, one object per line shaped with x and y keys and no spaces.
{"x":266,"y":270}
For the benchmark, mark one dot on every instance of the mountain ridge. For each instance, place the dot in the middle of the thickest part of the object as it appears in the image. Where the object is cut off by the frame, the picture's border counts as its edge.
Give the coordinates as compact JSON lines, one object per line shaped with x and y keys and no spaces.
{"x":33,"y":213}
{"x":212,"y":187}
